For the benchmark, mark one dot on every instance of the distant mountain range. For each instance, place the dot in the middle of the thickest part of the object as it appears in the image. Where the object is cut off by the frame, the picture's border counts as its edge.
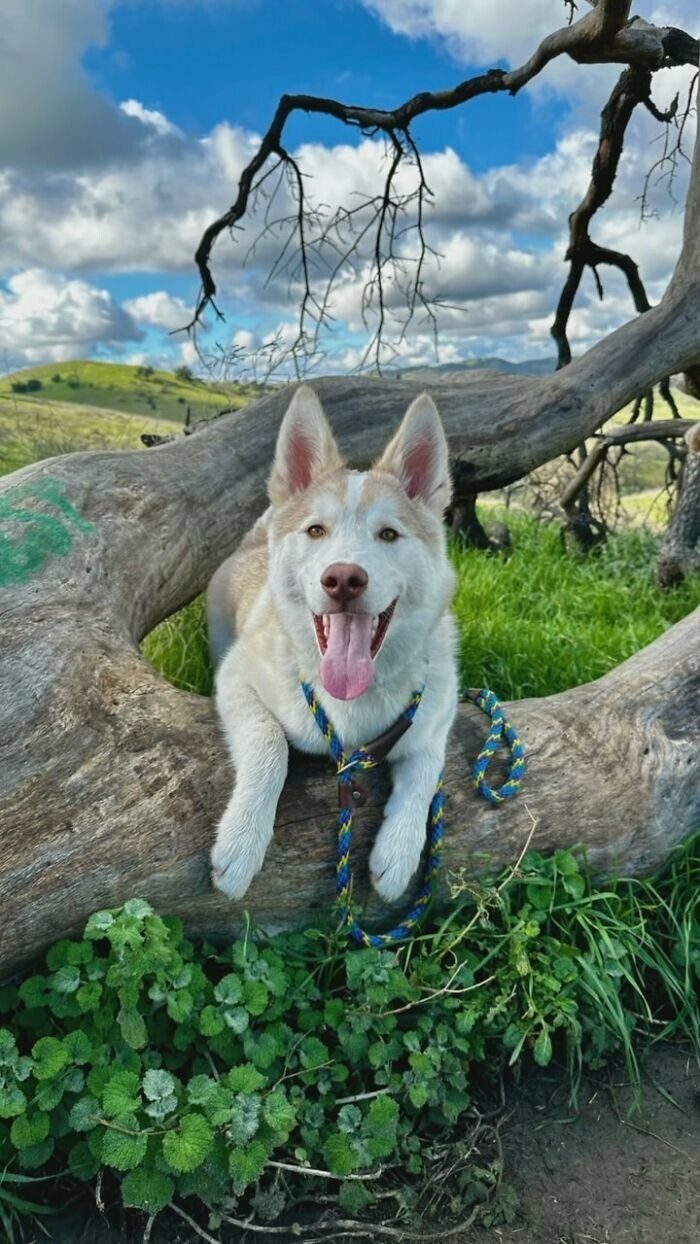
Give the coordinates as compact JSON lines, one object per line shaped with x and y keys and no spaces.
{"x":530,"y":367}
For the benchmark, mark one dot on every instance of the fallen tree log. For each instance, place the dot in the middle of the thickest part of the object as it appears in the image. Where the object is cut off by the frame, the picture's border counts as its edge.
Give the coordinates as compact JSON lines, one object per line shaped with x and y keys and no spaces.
{"x":113,"y":781}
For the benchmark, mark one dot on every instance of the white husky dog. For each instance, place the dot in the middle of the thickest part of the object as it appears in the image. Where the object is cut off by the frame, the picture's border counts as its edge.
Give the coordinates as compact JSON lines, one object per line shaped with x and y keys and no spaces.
{"x":344,"y":582}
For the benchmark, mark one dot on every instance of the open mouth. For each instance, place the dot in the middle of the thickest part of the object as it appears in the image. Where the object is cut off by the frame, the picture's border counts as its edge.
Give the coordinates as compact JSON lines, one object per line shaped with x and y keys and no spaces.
{"x":380,"y":626}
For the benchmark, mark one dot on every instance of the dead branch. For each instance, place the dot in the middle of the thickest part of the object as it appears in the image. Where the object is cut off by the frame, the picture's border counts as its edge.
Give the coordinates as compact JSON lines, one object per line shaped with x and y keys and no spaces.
{"x":603,"y":34}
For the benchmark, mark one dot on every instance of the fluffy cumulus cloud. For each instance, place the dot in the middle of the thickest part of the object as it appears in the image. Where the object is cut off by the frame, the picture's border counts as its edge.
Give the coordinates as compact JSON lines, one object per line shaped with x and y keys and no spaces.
{"x":47,"y":317}
{"x":140,"y":215}
{"x":474,"y":32}
{"x":159,"y":309}
{"x":89,"y":189}
{"x":483,"y":33}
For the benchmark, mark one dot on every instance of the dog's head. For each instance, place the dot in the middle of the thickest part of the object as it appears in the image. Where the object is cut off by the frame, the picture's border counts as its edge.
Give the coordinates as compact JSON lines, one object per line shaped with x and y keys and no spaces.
{"x":358,"y":560}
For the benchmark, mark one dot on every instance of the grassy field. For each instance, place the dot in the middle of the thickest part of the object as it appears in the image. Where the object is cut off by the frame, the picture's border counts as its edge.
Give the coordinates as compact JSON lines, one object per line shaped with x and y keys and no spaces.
{"x":32,"y":429}
{"x":542,"y":619}
{"x":92,"y":405}
{"x":132,"y":390}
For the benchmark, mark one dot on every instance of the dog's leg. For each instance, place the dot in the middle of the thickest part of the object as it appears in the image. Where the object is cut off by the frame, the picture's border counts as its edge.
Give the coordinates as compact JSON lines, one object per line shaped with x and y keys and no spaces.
{"x":397,"y":851}
{"x":219,"y":622}
{"x":260,"y":755}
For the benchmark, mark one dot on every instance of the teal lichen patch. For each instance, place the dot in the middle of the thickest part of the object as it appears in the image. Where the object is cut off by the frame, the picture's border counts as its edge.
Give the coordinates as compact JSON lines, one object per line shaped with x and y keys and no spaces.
{"x":30,"y":535}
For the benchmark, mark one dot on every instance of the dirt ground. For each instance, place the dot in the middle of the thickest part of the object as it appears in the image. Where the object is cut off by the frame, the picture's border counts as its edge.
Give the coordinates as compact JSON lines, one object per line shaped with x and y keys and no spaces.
{"x":605,"y":1177}
{"x":601,"y":1177}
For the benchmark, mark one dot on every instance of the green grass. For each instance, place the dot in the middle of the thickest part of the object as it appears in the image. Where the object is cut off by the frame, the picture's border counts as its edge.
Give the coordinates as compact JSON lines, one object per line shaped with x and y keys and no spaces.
{"x":16,"y":1211}
{"x":179,"y":649}
{"x":534,"y":623}
{"x":33,"y":429}
{"x":123,"y":387}
{"x":544,"y":619}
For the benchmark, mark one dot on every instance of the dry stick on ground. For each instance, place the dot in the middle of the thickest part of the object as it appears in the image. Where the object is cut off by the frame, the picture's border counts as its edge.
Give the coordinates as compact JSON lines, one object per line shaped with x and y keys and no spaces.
{"x":112,"y":781}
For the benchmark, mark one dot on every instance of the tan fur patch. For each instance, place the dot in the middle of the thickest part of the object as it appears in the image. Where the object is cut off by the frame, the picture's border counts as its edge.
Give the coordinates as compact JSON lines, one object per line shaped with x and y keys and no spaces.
{"x":290,"y":516}
{"x":249,"y":568}
{"x":418,"y":520}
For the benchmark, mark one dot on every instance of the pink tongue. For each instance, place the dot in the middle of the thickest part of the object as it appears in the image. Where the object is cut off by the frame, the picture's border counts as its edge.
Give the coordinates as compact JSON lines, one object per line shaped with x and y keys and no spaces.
{"x":346,"y":666}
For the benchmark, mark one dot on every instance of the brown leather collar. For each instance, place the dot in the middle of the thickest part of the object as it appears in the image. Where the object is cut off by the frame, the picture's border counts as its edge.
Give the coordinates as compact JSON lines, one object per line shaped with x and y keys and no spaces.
{"x":354,"y":794}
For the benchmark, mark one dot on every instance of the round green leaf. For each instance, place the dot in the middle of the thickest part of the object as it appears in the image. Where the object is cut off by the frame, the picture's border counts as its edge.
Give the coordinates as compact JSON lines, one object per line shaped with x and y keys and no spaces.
{"x":148,"y":1190}
{"x":50,"y":1057}
{"x":121,"y":1094}
{"x":188,"y":1145}
{"x":123,"y":1145}
{"x":29,"y":1129}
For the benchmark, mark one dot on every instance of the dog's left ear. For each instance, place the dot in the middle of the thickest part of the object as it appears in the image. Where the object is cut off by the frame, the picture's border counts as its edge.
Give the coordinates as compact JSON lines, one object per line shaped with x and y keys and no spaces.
{"x":306,"y":447}
{"x":419,"y":456}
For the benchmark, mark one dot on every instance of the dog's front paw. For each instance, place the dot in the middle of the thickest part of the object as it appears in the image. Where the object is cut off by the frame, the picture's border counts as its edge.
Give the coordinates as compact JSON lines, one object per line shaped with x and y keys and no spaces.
{"x":236,"y":859}
{"x":233,"y":876}
{"x":393,"y":862}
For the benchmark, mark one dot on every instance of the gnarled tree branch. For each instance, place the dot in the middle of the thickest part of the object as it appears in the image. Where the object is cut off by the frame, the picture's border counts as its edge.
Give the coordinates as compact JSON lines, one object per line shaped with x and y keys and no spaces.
{"x":603,"y":34}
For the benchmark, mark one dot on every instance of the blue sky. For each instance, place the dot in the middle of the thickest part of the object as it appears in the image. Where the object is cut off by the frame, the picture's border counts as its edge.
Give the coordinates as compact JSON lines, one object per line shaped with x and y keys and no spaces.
{"x":127,"y":123}
{"x":232,"y":61}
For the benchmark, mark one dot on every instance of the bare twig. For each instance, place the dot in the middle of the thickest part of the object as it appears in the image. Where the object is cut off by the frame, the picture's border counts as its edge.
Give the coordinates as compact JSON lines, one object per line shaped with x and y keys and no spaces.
{"x":310,"y":1170}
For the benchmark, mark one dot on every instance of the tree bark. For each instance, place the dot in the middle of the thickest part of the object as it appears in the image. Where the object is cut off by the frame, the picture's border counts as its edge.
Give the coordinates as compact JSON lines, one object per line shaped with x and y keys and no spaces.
{"x":680,"y":552}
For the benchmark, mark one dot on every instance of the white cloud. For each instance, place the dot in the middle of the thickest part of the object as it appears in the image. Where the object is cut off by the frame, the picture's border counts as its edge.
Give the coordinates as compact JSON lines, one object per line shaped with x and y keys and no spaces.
{"x":150,"y":116}
{"x":475,"y":33}
{"x":483,"y":33}
{"x":46,"y":317}
{"x":159,"y":309}
{"x":140,"y":215}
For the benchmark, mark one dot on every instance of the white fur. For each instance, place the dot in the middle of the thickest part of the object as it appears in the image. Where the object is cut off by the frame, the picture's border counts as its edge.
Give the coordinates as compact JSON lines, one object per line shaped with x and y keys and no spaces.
{"x":258,"y":695}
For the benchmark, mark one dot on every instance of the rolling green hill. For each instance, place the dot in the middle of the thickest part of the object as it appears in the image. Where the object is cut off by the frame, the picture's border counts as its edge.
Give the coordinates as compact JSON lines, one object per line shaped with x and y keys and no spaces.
{"x":31,"y":430}
{"x":126,"y":388}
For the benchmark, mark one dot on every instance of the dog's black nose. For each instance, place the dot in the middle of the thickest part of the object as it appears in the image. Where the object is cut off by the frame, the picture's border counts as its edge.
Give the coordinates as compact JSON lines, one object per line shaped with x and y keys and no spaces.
{"x":344,"y":582}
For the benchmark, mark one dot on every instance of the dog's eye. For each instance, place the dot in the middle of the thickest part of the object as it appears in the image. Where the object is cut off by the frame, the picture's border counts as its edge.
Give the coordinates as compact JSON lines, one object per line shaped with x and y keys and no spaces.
{"x":388,"y":535}
{"x":315,"y":531}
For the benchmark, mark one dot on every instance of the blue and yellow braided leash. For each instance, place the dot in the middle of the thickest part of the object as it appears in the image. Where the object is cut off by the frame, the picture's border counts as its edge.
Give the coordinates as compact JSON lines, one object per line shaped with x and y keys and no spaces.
{"x":361,"y":759}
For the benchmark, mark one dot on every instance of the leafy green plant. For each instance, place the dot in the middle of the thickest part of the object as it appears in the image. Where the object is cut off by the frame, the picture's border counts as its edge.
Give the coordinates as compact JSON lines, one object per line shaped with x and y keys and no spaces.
{"x":244,"y":1076}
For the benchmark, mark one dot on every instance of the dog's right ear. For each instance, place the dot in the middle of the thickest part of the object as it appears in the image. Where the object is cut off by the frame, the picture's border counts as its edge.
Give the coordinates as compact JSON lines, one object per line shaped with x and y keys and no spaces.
{"x":306,"y":447}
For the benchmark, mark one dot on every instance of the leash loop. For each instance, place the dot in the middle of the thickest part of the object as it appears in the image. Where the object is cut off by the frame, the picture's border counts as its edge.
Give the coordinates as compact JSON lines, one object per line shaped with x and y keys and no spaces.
{"x":502,"y":731}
